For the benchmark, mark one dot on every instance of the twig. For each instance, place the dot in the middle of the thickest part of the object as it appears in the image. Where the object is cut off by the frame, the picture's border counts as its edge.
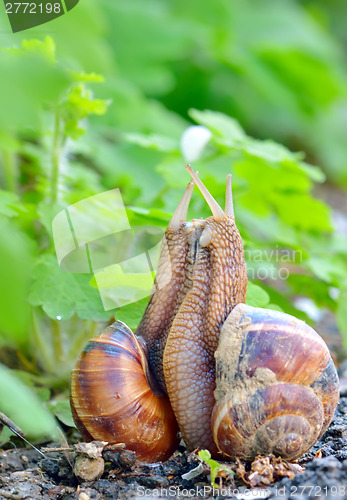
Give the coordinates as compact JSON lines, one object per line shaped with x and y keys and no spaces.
{"x":4,"y":420}
{"x":57,"y":449}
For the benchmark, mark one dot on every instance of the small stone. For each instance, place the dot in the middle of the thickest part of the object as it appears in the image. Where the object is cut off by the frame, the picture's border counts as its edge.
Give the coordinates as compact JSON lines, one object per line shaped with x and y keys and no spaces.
{"x":342,"y":454}
{"x":153,"y":481}
{"x":108,"y":489}
{"x":171,"y":469}
{"x":50,"y":467}
{"x":337,"y":431}
{"x":127,"y":458}
{"x":83,"y":496}
{"x":113,"y":457}
{"x":328,"y":464}
{"x":327,"y":451}
{"x":88,"y":469}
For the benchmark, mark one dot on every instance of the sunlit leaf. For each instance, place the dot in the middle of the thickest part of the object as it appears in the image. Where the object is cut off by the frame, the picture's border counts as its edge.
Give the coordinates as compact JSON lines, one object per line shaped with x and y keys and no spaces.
{"x":22,"y":406}
{"x":256,"y":296}
{"x":60,"y":293}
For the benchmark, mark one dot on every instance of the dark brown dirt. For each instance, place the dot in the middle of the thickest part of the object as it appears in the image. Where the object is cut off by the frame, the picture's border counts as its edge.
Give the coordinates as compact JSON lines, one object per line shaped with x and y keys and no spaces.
{"x":24,"y":474}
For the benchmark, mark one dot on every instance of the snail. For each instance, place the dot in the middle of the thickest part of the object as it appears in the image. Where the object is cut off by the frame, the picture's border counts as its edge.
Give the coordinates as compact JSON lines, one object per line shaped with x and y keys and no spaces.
{"x":237,"y":380}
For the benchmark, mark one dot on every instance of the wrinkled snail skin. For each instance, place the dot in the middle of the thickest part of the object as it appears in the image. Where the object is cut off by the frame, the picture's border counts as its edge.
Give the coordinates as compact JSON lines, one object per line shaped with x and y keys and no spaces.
{"x":277,"y":387}
{"x":173,"y":280}
{"x":219,"y":283}
{"x":111,"y":399}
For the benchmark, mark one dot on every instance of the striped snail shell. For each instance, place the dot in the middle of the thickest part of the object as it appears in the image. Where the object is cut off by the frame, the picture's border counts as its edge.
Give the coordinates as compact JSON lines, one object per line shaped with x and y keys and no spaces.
{"x":113,"y":397}
{"x":277,"y":386}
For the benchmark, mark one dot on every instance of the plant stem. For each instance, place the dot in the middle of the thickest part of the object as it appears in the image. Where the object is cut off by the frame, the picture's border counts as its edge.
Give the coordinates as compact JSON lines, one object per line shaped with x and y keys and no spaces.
{"x":10,"y":169}
{"x":57,"y":341}
{"x":86,"y":333}
{"x":27,"y":365}
{"x":40,"y":345}
{"x":55,"y":157}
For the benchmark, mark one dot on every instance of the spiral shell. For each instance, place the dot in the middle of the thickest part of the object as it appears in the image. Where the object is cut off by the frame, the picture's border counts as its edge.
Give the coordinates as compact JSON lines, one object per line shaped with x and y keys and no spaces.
{"x":112,"y":401}
{"x":276,"y":385}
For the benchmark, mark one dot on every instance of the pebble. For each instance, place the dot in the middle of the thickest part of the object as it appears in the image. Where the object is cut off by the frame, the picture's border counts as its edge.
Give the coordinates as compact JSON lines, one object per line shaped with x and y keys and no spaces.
{"x":127,"y":458}
{"x":109,"y":489}
{"x":153,"y":481}
{"x":88,"y":469}
{"x":171,"y":469}
{"x":51,"y":468}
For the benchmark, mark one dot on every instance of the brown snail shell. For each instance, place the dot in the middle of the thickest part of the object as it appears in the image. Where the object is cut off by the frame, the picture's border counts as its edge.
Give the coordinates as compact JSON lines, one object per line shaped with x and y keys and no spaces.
{"x":277,"y":386}
{"x":112,"y":401}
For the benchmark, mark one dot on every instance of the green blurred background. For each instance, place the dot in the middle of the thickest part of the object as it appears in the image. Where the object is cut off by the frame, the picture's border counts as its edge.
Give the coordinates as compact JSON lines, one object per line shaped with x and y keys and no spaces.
{"x":100,"y":98}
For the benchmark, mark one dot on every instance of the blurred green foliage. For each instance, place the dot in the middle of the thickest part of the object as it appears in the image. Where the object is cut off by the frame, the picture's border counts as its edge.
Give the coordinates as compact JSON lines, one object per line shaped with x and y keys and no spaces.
{"x":103,"y":102}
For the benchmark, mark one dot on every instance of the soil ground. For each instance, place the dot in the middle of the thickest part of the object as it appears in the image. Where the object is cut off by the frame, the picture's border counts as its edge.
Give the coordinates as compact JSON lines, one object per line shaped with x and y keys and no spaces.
{"x":24,"y":474}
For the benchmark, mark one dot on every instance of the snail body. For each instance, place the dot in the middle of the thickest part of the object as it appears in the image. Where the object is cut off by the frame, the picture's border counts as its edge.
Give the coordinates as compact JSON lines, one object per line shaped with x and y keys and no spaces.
{"x":173,"y":281}
{"x":239,"y":381}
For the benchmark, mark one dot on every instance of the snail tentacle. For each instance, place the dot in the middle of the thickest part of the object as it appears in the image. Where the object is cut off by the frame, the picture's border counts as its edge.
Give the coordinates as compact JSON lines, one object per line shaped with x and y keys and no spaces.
{"x":229,"y":206}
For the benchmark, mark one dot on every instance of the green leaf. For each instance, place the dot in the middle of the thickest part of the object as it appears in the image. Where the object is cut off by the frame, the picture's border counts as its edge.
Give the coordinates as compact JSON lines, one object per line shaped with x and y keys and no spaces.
{"x":23,"y":407}
{"x":16,"y":259}
{"x":30,"y":380}
{"x":8,"y":142}
{"x":233,"y":136}
{"x":81,"y":76}
{"x":153,"y":141}
{"x":60,"y":293}
{"x":79,"y":104}
{"x":256,"y":296}
{"x":45,"y":48}
{"x":274,"y":307}
{"x":62,"y":410}
{"x":131,"y":314}
{"x":215,"y":466}
{"x":33,"y":82}
{"x":304,"y":212}
{"x":315,"y":173}
{"x":220,"y":124}
{"x":9,"y":204}
{"x":46,"y":213}
{"x":325,"y":269}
